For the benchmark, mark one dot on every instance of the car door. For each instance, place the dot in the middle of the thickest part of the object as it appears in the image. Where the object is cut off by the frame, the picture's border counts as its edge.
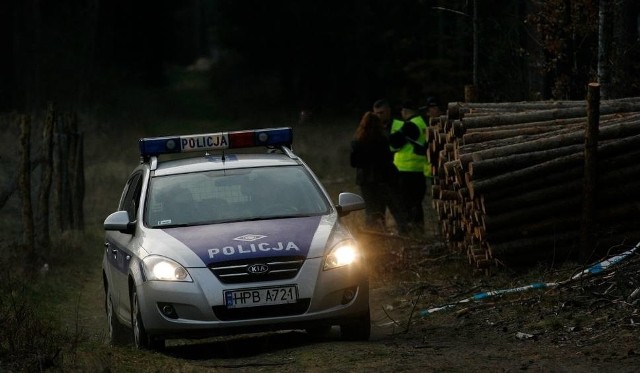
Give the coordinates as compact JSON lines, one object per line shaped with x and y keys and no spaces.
{"x":118,"y":247}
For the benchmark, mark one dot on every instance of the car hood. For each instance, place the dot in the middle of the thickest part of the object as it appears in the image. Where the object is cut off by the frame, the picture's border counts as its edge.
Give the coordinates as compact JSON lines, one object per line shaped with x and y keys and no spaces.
{"x":303,"y":236}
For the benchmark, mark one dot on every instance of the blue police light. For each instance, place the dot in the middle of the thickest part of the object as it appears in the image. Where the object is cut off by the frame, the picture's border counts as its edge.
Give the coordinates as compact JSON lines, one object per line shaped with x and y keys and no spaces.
{"x":159,"y":145}
{"x":153,"y":146}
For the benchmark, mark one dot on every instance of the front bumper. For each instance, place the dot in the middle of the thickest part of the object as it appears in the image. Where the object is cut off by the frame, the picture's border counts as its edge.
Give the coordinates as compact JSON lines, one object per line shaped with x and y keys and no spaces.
{"x":329,"y":297}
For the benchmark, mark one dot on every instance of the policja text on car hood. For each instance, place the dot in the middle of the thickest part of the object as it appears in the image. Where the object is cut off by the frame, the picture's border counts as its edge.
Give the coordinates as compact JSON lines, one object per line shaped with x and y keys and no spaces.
{"x":248,"y":240}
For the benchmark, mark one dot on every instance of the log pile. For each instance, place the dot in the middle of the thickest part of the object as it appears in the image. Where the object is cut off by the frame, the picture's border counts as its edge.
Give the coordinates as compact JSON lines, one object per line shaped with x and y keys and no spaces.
{"x":509,"y":179}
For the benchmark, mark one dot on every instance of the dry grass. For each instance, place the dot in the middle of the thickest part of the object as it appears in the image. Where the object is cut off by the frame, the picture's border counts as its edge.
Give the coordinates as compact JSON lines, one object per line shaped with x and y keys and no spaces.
{"x":33,"y":337}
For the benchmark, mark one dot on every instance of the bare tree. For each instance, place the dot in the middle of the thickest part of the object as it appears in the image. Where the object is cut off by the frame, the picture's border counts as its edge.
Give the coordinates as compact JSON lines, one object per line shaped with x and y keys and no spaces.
{"x":605,"y":35}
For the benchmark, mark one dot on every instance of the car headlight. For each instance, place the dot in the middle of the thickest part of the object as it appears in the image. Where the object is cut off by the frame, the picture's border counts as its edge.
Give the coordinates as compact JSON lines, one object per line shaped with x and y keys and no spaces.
{"x":164,"y":269}
{"x":342,"y":254}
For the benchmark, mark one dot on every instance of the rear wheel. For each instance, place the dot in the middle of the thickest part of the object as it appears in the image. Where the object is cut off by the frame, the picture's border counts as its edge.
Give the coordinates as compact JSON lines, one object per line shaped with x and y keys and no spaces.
{"x":142,"y":339}
{"x":358,"y":329}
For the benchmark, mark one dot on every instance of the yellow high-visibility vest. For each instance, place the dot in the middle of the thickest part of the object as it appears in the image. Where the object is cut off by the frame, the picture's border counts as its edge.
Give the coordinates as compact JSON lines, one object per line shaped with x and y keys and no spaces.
{"x":405,"y":159}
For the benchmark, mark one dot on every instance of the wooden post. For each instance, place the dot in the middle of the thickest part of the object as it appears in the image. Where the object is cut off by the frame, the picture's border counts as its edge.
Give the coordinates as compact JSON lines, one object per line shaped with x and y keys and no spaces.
{"x":76,"y":170}
{"x":62,"y":203}
{"x":68,"y":163}
{"x":80,"y":183}
{"x":43,"y":241}
{"x":24,"y":183}
{"x":590,"y":171}
{"x":470,"y":93}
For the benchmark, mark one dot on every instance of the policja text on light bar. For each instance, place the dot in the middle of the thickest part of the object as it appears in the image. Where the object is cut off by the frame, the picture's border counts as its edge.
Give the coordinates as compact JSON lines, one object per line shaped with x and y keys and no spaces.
{"x":153,"y":146}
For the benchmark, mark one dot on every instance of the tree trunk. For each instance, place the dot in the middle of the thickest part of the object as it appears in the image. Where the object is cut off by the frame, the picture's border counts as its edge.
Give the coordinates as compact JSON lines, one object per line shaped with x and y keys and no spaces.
{"x":565,"y":162}
{"x":517,"y":216}
{"x":45,"y":184}
{"x":546,"y":115}
{"x":499,"y":165}
{"x":497,"y":203}
{"x":78,"y":185}
{"x":61,"y":204}
{"x":25,"y":185}
{"x":605,"y":37}
{"x":537,"y":246}
{"x":622,"y":166}
{"x":484,"y":136}
{"x":545,"y":143}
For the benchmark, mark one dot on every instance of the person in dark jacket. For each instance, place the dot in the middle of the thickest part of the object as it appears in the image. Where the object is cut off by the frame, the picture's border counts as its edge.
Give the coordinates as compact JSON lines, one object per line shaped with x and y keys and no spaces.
{"x":375,"y":172}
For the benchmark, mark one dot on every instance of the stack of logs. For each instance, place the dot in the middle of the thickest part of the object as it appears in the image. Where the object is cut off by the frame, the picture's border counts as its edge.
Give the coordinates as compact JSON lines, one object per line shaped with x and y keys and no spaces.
{"x":509,"y":179}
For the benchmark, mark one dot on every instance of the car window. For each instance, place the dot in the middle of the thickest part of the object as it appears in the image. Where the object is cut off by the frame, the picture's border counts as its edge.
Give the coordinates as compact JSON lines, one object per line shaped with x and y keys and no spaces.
{"x":233,"y":195}
{"x":131,"y":197}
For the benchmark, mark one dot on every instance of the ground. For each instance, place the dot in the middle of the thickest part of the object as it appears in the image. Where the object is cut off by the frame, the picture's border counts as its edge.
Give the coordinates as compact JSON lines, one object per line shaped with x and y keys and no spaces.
{"x":583,"y":326}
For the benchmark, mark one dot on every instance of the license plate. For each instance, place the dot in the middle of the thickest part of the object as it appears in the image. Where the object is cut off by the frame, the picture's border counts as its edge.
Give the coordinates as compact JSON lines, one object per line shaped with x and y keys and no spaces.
{"x":261,"y":296}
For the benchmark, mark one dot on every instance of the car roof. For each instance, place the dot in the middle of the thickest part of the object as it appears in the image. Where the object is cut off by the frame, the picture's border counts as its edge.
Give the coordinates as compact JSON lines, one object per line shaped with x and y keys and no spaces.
{"x":224,"y":162}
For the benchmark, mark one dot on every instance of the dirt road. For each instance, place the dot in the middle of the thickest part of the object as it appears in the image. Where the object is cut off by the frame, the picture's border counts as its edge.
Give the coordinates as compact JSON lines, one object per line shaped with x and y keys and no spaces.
{"x":541,"y":331}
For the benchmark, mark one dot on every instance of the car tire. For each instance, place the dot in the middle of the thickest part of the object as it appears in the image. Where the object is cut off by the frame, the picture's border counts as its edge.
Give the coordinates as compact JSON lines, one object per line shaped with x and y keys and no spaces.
{"x":118,"y":334}
{"x":142,"y":340}
{"x":358,"y":329}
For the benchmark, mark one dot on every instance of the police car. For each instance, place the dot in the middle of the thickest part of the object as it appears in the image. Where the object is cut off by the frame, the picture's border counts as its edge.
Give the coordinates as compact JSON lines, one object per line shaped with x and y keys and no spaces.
{"x":230,"y":241}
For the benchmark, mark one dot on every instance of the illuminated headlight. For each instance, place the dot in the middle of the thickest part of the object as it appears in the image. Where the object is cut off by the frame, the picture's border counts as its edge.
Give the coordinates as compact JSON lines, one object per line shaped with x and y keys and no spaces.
{"x":344,"y":253}
{"x":164,"y":269}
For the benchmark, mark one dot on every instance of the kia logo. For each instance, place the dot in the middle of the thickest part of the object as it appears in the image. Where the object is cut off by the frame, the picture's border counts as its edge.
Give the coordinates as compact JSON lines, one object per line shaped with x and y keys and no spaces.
{"x":256,"y":269}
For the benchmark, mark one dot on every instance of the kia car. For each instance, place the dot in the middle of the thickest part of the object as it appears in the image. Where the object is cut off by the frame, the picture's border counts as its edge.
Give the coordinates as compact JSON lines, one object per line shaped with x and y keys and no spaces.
{"x":226,"y":233}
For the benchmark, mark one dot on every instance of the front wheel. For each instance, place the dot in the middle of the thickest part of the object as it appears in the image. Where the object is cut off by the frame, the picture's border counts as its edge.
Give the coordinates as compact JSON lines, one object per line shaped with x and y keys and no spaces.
{"x":142,"y":340}
{"x":358,"y":329}
{"x":117,"y":332}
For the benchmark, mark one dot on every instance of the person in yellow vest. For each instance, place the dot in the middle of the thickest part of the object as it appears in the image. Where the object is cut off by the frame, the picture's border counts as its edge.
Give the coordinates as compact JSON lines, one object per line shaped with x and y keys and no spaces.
{"x":407,"y":141}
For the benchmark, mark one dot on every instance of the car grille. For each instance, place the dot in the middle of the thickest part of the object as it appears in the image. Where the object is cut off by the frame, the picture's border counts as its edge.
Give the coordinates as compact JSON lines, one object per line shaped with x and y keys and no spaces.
{"x":229,"y":314}
{"x":280,"y":268}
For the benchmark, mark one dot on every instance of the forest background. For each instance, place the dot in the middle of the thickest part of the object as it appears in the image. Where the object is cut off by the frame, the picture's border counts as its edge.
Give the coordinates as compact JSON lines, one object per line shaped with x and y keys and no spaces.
{"x":131,"y":69}
{"x":325,"y":56}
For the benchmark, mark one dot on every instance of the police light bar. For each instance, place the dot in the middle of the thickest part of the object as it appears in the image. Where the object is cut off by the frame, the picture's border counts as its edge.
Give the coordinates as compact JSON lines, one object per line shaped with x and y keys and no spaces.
{"x":153,"y":146}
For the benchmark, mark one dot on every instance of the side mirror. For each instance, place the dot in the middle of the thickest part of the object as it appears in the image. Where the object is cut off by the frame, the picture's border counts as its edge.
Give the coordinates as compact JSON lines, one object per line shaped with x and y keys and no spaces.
{"x":119,"y":221}
{"x":348,"y":202}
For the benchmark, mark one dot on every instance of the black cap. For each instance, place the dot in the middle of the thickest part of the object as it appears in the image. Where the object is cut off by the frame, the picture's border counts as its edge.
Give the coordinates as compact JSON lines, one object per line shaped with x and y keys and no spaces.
{"x":432,"y":101}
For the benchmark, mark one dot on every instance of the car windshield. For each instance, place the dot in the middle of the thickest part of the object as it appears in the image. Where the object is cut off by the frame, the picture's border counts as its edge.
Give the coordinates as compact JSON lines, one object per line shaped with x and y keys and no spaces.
{"x":233,"y":195}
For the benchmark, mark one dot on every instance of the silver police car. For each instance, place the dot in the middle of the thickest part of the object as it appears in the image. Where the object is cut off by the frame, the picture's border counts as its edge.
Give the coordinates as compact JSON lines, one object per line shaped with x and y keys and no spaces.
{"x":230,"y":241}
